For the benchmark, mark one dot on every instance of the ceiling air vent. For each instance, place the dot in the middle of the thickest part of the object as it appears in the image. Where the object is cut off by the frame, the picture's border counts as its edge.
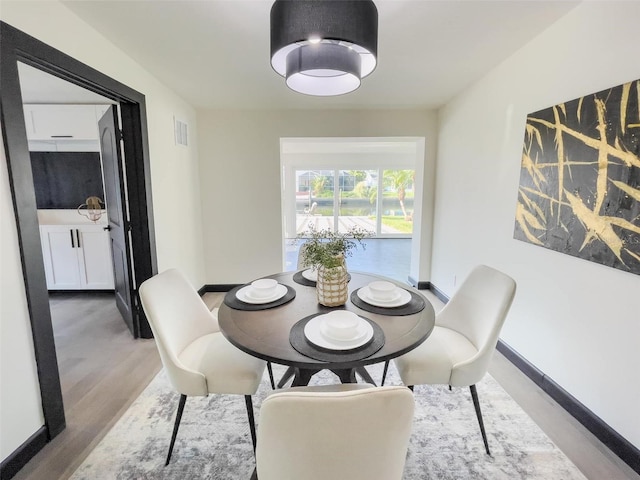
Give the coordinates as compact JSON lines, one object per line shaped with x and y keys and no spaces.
{"x":181,"y":131}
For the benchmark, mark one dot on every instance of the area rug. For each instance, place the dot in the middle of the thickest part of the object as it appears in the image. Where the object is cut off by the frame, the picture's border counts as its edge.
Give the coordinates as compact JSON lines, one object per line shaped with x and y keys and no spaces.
{"x":214,"y":440}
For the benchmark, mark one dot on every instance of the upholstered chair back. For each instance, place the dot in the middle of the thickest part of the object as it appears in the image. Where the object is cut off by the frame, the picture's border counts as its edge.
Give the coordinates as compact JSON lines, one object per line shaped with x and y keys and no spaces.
{"x":477,"y":310}
{"x":353,"y":432}
{"x":177,"y":316}
{"x":301,"y":250}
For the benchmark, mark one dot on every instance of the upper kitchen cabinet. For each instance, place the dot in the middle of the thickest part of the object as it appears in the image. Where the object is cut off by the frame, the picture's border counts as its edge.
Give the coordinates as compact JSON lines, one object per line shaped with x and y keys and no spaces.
{"x":62,"y":122}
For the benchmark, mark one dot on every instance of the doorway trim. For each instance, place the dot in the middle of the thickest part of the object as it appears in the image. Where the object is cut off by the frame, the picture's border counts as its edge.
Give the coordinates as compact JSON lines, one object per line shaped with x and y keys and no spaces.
{"x":18,"y":46}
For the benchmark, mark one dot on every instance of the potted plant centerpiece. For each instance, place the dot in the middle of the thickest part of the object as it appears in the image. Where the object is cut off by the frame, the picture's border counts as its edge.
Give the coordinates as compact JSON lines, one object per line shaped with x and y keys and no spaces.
{"x":325,"y":251}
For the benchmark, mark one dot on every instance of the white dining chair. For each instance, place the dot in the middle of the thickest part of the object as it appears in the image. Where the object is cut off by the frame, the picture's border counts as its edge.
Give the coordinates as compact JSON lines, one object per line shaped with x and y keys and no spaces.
{"x":197,"y":358}
{"x":348,"y":431}
{"x":459,"y":350}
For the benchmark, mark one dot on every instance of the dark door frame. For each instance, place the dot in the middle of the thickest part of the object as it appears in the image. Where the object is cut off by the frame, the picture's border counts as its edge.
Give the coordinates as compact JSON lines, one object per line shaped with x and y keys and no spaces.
{"x":17,"y":46}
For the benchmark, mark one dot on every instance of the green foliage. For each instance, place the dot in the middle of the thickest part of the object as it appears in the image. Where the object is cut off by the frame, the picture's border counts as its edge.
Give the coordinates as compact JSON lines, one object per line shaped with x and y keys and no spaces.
{"x":358,"y":175}
{"x":328,"y":248}
{"x":363,"y":191}
{"x":318,"y":185}
{"x":399,"y":223}
{"x":399,"y":180}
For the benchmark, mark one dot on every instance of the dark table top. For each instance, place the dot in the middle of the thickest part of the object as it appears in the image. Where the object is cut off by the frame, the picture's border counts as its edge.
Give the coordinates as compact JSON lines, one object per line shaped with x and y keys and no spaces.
{"x":265,"y":333}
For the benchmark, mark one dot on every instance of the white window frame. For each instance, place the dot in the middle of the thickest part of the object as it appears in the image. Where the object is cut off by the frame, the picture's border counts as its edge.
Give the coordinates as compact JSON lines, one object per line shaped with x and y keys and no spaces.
{"x":366,"y":153}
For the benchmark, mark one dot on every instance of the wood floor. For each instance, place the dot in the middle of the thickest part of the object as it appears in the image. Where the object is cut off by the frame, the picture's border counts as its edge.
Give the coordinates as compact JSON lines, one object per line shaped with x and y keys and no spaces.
{"x":103,"y":370}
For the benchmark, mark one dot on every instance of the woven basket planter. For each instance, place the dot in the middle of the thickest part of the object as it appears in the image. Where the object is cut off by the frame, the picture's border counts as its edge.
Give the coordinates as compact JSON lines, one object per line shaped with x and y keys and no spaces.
{"x":331,"y":286}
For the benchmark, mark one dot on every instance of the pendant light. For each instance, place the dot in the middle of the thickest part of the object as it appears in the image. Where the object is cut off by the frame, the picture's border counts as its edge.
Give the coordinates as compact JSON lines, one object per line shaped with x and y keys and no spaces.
{"x":324,"y":47}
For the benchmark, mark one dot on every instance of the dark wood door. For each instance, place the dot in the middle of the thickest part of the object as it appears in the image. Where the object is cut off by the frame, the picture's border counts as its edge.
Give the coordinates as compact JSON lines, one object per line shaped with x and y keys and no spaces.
{"x":117,"y":215}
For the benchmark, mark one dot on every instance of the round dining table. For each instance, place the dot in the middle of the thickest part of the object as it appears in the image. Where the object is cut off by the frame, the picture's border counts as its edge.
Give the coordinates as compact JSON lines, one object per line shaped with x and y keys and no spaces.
{"x":265,"y":333}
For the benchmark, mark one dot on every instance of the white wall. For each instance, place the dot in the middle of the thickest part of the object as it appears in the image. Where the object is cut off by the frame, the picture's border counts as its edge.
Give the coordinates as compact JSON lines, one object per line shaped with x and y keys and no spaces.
{"x":240,"y":162}
{"x":577,"y":321}
{"x":20,"y":405}
{"x":175,"y":189}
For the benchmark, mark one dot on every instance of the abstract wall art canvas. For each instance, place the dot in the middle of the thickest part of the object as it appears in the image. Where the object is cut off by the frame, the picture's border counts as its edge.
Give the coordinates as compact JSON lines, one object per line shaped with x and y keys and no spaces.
{"x":579,"y":188}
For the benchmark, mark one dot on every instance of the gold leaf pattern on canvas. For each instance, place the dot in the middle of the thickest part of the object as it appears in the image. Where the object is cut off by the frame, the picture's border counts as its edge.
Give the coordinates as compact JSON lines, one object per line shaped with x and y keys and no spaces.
{"x":580,"y":178}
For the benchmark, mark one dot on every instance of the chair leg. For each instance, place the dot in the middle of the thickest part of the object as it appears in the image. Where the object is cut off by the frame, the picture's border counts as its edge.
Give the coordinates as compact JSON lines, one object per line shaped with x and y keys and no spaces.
{"x":252,"y":423}
{"x":384,"y":373}
{"x":270,"y":370}
{"x":287,"y":375}
{"x":476,"y":404}
{"x":365,"y":375}
{"x":183,"y":399}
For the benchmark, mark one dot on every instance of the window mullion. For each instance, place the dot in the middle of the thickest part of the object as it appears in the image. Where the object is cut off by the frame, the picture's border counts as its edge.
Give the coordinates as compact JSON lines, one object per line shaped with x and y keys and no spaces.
{"x":379,"y":203}
{"x":336,"y":200}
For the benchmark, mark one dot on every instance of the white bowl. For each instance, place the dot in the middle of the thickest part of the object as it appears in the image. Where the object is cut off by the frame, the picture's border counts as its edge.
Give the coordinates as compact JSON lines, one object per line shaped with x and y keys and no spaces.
{"x":263,"y":288}
{"x":341,"y":325}
{"x":381,"y":290}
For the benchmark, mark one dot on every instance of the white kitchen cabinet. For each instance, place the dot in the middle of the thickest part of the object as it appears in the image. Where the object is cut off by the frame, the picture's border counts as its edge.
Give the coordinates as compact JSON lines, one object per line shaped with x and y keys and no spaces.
{"x":61,"y":122}
{"x":77,"y":257}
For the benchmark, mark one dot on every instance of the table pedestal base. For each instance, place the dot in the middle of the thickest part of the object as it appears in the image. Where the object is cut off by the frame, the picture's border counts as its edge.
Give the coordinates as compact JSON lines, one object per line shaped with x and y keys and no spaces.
{"x":302,"y":376}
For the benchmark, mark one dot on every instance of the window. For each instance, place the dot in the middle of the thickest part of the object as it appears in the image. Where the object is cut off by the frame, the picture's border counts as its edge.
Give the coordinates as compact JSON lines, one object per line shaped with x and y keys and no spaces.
{"x":360,"y":199}
{"x":336,"y":183}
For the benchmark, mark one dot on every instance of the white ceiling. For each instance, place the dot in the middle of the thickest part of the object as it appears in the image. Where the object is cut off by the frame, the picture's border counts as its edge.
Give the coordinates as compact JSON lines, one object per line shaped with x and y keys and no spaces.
{"x":41,"y":87}
{"x":215,"y":54}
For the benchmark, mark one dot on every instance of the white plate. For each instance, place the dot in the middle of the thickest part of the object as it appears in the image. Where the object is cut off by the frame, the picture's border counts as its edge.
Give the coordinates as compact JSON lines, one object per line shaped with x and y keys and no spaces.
{"x":244,"y":295}
{"x":403,"y":298}
{"x":361,"y":332}
{"x":313,"y":332}
{"x":310,"y":274}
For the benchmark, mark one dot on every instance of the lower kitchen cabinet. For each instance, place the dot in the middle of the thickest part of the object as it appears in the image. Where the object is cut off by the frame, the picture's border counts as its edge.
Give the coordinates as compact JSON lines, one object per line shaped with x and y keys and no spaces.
{"x":77,"y":257}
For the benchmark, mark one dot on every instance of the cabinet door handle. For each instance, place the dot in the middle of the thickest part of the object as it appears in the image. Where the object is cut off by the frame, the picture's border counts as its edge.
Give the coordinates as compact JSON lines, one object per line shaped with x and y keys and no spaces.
{"x":78,"y":237}
{"x":73,"y":245}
